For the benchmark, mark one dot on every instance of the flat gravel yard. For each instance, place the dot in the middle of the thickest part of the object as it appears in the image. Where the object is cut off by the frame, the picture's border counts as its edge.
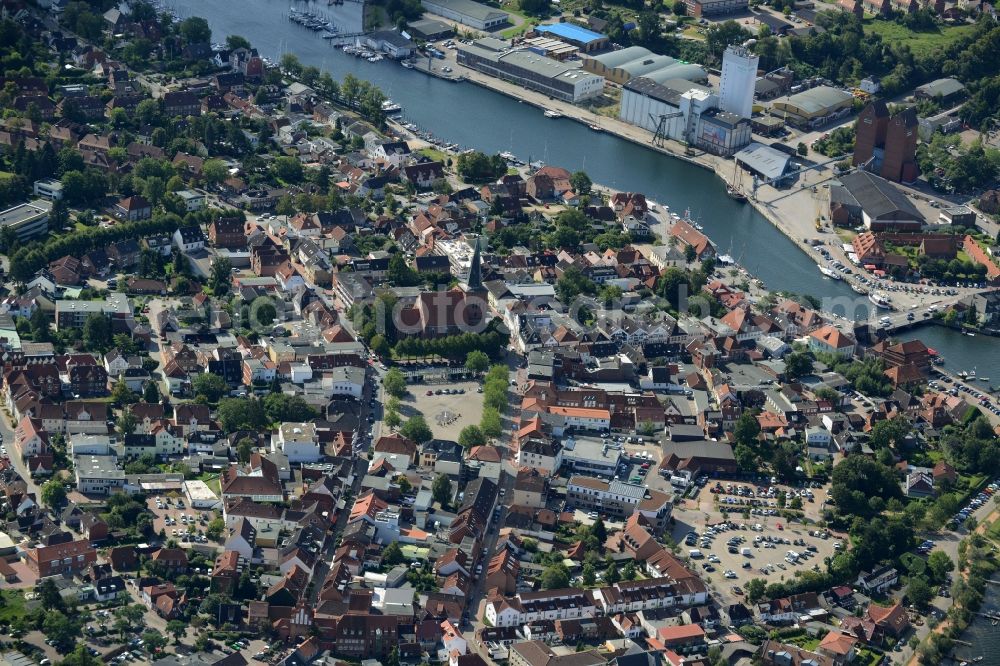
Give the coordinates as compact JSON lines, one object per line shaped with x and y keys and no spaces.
{"x":445,"y":414}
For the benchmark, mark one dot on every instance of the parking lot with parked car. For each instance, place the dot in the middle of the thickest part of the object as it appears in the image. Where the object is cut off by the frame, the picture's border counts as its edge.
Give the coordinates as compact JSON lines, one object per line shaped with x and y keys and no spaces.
{"x":976,"y":502}
{"x":730,"y":553}
{"x":946,"y":384}
{"x":178,"y":520}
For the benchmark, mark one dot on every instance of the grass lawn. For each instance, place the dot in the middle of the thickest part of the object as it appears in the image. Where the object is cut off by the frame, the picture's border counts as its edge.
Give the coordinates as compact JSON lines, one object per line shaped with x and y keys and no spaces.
{"x":867,"y":658}
{"x":517,"y":30}
{"x":803,"y":640}
{"x":13,"y":606}
{"x":920,"y":43}
{"x":692,"y":32}
{"x":6,"y":175}
{"x":846,"y":235}
{"x":994,"y":530}
{"x":412,"y":552}
{"x":434,"y":154}
{"x":527,"y":22}
{"x":212,"y":481}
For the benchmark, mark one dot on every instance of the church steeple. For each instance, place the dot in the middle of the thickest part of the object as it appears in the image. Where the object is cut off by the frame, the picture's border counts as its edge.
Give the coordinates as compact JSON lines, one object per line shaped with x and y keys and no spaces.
{"x":475,"y":279}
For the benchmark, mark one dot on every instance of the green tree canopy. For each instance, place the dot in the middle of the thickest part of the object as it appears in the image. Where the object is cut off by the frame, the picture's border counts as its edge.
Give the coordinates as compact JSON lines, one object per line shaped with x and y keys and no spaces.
{"x":755,"y":589}
{"x":939,"y":565}
{"x":154,"y":640}
{"x":63,"y":630}
{"x":394,"y":383}
{"x":555,"y":576}
{"x":234,"y":42}
{"x":747,"y":429}
{"x":798,"y":364}
{"x":54,"y":494}
{"x":241,"y":414}
{"x":281,"y":408}
{"x":856,"y":480}
{"x":490,"y":423}
{"x":919,"y":592}
{"x":80,"y":657}
{"x":262,"y":311}
{"x":889,"y":433}
{"x":221,"y":276}
{"x":97,"y":332}
{"x":416,"y":428}
{"x":393,"y":555}
{"x":213,"y":387}
{"x":476,"y":361}
{"x":581,"y":182}
{"x":476,"y":167}
{"x":471,"y":436}
{"x":288,"y":169}
{"x":441,"y":490}
{"x":195,"y":30}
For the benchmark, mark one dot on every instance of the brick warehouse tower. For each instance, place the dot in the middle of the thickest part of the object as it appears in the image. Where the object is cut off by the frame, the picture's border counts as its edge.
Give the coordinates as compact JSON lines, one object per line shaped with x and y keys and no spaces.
{"x":870,"y":132}
{"x":899,"y":163}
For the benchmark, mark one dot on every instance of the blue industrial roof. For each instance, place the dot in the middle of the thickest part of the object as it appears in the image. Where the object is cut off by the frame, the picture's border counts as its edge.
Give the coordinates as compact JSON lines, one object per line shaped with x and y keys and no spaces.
{"x":571,"y":31}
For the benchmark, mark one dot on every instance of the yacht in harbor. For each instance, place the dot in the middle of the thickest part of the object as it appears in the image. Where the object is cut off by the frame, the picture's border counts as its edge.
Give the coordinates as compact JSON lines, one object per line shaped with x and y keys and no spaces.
{"x":880,"y":300}
{"x":391,"y":107}
{"x":735,"y":189}
{"x":829,"y":272}
{"x":859,"y":289}
{"x":549,"y":113}
{"x":735,"y":194}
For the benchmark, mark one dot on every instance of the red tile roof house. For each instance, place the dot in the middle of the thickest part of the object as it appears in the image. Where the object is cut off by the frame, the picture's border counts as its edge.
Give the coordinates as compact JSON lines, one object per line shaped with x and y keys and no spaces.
{"x":124,"y":558}
{"x":265,"y":488}
{"x":133,"y":208}
{"x":174,"y":559}
{"x":226,"y":574}
{"x":228,"y":233}
{"x":877,"y":623}
{"x":7,"y":572}
{"x":152,"y":593}
{"x":95,"y":529}
{"x":682,"y":637}
{"x":838,"y":646}
{"x":167,"y":607}
{"x":64,"y":558}
{"x":829,"y":339}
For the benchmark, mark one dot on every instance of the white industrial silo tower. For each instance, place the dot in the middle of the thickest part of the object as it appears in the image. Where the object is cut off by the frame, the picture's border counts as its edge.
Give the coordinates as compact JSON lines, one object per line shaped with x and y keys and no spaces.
{"x":739,"y":77}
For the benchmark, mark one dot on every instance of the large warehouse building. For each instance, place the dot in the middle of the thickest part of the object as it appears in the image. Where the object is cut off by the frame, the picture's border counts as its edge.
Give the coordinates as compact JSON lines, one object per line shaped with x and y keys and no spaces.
{"x":622,"y":65}
{"x":813,"y":107}
{"x":764,"y":162}
{"x":689,"y":114}
{"x":583,"y":39}
{"x":565,"y":81}
{"x":468,"y":13}
{"x":879,"y":204}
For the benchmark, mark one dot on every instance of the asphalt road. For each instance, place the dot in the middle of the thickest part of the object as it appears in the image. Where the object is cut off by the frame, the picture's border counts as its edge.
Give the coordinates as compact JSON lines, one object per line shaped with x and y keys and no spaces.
{"x":478,"y":592}
{"x":7,"y":430}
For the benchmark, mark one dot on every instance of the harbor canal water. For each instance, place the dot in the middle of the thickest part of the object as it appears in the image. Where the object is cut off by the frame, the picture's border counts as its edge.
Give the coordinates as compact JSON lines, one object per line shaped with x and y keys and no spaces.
{"x":472,"y":116}
{"x":475,"y":117}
